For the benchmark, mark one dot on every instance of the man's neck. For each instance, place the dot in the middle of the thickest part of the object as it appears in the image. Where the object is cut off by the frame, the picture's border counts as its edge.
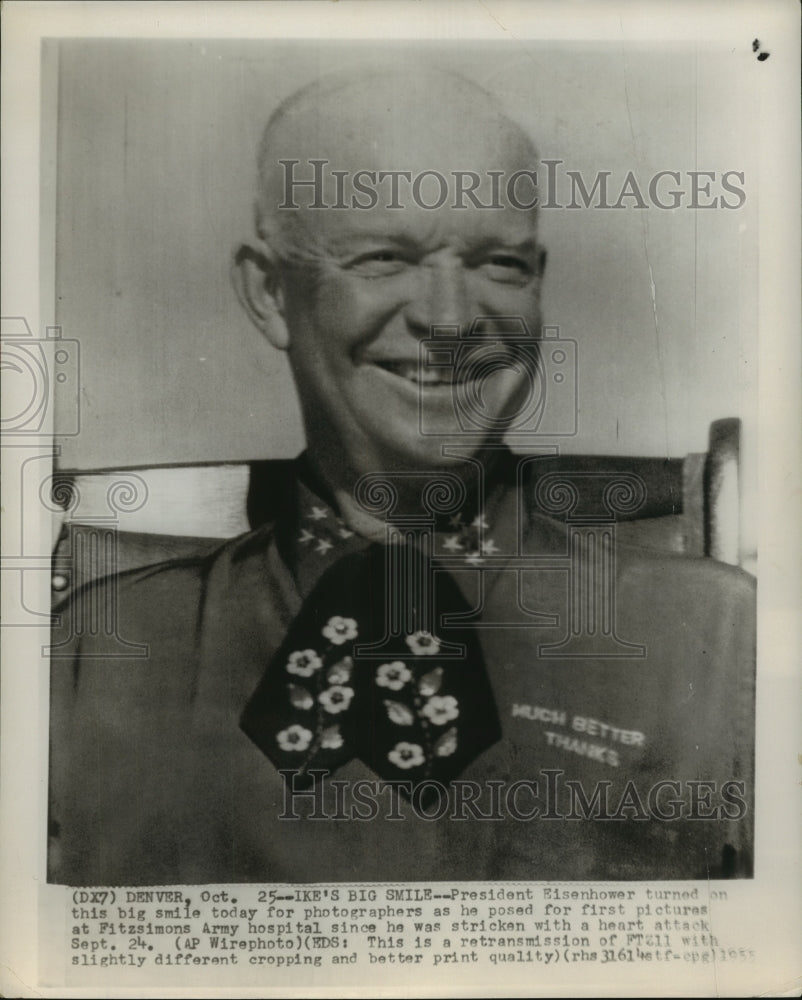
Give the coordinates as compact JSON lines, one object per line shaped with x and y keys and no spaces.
{"x":336,"y":482}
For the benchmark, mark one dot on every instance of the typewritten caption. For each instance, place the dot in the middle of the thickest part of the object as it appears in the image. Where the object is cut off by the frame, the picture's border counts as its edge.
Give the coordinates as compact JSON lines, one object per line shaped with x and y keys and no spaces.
{"x":379,"y":927}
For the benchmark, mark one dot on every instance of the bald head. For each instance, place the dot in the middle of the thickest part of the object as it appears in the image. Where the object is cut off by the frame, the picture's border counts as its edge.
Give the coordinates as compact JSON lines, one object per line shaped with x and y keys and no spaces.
{"x":392,"y":203}
{"x":361,"y":139}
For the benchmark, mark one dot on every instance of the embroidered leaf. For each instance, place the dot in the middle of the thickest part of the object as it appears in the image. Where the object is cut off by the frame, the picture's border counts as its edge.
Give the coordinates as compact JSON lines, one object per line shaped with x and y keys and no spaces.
{"x":300,"y":697}
{"x":430,"y":683}
{"x":340,"y":672}
{"x":331,"y":738}
{"x":447,"y":743}
{"x":399,"y":713}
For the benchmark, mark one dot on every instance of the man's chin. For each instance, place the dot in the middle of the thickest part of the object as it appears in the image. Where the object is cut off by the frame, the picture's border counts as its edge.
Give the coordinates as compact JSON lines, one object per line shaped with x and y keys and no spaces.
{"x":430,"y":453}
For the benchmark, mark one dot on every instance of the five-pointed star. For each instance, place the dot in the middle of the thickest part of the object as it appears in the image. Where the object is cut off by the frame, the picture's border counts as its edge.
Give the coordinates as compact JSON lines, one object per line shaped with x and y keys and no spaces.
{"x":323,"y":546}
{"x":489,"y":548}
{"x":479,"y":522}
{"x":474,"y":559}
{"x":305,"y":536}
{"x":317,"y":513}
{"x":452,"y":544}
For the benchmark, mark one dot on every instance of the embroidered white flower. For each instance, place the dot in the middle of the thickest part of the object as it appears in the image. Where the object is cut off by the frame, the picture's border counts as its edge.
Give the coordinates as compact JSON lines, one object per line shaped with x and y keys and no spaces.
{"x":294,"y":738}
{"x":441,"y":709}
{"x":339,"y":630}
{"x":304,"y":663}
{"x":331,"y":738}
{"x":393,"y":675}
{"x":336,"y":699}
{"x":423,"y":643}
{"x":406,"y":755}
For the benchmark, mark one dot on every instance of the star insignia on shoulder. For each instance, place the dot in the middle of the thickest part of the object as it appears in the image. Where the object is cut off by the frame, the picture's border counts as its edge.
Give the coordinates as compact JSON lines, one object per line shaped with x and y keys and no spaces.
{"x":452,"y":544}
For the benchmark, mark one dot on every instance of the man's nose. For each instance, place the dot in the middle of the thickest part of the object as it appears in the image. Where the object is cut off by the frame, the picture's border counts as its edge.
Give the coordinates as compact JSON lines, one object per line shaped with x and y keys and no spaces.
{"x":441,"y":297}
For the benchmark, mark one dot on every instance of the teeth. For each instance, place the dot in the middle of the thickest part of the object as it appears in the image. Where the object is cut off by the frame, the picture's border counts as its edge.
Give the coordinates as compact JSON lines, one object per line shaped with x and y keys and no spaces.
{"x":414,"y":372}
{"x":429,"y":376}
{"x":420,"y":374}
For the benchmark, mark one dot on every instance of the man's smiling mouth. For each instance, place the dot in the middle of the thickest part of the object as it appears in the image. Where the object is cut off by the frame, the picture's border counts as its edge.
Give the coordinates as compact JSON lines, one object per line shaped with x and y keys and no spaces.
{"x":419,"y":374}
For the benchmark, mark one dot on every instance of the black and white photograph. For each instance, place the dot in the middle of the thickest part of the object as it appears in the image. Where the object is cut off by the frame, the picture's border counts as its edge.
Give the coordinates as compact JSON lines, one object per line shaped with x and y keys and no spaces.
{"x":395,"y":417}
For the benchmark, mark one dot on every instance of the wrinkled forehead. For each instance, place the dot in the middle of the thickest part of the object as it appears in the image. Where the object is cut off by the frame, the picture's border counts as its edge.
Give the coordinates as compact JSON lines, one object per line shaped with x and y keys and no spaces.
{"x":427,"y":151}
{"x":325,"y":231}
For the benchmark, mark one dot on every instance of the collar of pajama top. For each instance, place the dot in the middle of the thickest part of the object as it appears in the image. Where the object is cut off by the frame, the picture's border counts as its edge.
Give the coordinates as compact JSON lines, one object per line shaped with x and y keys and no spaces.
{"x":312,"y":535}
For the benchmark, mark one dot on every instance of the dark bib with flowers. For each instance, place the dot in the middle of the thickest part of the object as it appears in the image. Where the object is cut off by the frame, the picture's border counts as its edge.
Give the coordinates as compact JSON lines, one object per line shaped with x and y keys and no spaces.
{"x":416,"y":707}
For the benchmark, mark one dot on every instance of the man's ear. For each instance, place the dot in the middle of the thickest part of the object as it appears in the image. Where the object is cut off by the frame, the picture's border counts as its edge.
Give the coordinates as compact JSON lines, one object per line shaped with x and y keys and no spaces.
{"x":255,"y":276}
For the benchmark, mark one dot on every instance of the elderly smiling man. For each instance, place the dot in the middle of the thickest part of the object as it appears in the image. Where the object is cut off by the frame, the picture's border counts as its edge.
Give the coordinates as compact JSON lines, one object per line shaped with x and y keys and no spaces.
{"x":361,"y":688}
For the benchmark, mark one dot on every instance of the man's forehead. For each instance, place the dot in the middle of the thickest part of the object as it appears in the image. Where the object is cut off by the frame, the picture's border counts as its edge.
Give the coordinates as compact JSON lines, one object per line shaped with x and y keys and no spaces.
{"x":413,"y":148}
{"x":413,"y":227}
{"x":405,"y":155}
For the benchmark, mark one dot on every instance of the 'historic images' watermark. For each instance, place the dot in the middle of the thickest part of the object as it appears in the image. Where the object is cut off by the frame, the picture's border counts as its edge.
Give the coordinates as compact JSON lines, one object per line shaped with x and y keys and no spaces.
{"x":495,"y":190}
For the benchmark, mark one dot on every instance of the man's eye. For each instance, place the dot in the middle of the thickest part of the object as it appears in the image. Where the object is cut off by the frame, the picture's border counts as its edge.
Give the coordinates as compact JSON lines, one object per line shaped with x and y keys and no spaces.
{"x":377,"y":263}
{"x":508,"y":267}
